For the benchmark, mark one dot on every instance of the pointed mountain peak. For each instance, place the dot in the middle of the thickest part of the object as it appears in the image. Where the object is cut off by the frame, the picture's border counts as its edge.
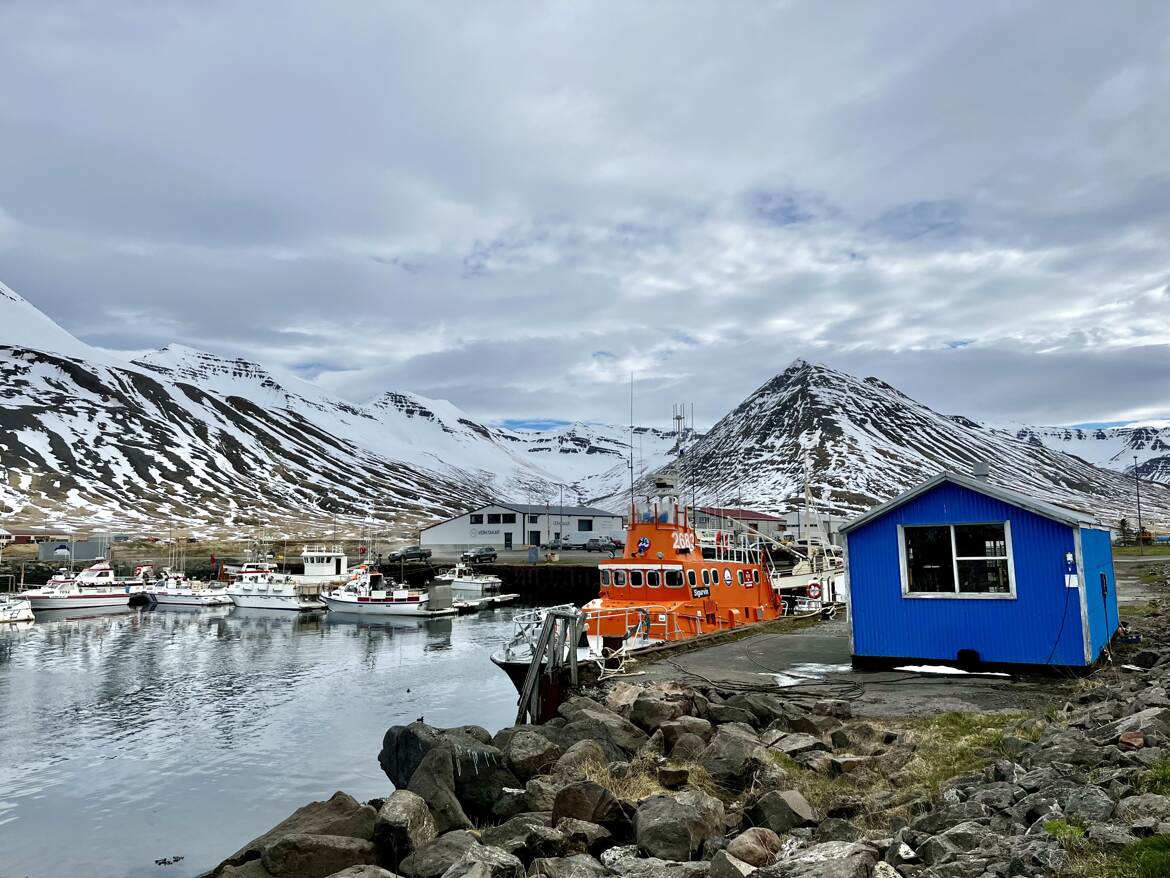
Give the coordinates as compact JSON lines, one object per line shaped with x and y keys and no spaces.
{"x":23,"y":325}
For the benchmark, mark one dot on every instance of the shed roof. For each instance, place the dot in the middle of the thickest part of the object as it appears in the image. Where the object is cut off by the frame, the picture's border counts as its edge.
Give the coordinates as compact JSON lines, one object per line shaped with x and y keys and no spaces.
{"x":1063,"y":514}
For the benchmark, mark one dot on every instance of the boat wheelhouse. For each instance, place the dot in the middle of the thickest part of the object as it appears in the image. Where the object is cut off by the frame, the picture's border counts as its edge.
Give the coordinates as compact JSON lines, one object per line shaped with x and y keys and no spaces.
{"x":324,"y":564}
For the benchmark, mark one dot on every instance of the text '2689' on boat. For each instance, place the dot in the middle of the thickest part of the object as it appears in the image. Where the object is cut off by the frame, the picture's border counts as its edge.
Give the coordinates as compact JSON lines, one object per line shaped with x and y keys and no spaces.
{"x":673,"y":583}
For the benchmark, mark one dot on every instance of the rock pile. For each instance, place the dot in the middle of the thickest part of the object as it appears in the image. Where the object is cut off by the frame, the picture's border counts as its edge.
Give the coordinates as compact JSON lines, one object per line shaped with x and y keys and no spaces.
{"x":669,"y":780}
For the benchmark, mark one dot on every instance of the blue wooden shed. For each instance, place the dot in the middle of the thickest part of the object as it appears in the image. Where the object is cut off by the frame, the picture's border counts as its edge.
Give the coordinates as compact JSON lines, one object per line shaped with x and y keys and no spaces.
{"x":960,"y":571}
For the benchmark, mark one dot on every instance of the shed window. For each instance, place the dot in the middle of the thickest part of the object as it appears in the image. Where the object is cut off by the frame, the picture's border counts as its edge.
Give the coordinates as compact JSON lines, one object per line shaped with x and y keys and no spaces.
{"x":584,"y":524}
{"x":534,"y":519}
{"x":493,"y":518}
{"x":958,"y":559}
{"x":508,"y":518}
{"x":476,"y":518}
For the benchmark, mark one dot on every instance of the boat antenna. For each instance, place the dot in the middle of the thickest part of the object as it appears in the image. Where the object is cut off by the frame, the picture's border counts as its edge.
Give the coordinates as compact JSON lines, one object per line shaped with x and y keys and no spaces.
{"x":631,"y":447}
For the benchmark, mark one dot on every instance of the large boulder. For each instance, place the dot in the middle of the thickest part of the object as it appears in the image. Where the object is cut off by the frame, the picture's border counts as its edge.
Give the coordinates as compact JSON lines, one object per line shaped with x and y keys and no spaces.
{"x":626,"y":862}
{"x":404,"y":825}
{"x":585,"y":752}
{"x":757,"y":846}
{"x":341,"y":814}
{"x":529,"y":754}
{"x":486,"y":862}
{"x":672,"y":730}
{"x":674,"y":827}
{"x":651,"y":709}
{"x":434,"y":782}
{"x":585,"y":837}
{"x":1150,"y":720}
{"x":731,"y":756}
{"x":831,"y":859}
{"x":479,"y":771}
{"x":575,"y":866}
{"x":782,"y":811}
{"x":512,"y":835}
{"x":1145,"y":805}
{"x":364,"y":872}
{"x":593,"y":803}
{"x":687,"y":748}
{"x":588,"y":719}
{"x":727,"y":865}
{"x":432,"y":860}
{"x":317,"y":856}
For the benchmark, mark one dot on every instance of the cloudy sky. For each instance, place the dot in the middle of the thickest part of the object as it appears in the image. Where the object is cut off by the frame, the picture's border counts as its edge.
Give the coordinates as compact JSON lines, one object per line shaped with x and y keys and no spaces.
{"x":512,"y":206}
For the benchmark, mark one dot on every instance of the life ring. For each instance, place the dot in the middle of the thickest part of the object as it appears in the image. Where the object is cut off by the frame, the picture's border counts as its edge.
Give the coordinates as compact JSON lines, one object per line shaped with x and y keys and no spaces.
{"x":814,"y":591}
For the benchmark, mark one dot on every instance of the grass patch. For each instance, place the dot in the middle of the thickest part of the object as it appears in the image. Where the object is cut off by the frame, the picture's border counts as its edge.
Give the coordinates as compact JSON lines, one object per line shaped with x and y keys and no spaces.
{"x":641,"y":779}
{"x":1070,"y":835}
{"x":1156,"y":779}
{"x":1155,"y":550}
{"x":1137,"y":611}
{"x":952,"y":744}
{"x":1148,"y":858}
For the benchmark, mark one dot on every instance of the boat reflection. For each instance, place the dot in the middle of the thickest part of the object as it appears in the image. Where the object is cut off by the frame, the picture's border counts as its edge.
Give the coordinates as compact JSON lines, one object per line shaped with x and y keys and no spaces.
{"x":83,"y":613}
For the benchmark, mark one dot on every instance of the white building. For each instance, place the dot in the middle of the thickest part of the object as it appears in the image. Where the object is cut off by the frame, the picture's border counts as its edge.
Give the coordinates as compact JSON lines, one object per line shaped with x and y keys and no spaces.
{"x":5,"y":537}
{"x":508,"y":525}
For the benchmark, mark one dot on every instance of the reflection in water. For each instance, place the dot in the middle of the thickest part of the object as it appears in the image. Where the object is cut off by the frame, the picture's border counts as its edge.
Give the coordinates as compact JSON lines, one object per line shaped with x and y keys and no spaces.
{"x":188,"y":731}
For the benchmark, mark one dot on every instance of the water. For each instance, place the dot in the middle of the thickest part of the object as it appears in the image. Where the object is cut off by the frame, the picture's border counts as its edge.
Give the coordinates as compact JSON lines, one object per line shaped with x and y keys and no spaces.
{"x":131,"y":737}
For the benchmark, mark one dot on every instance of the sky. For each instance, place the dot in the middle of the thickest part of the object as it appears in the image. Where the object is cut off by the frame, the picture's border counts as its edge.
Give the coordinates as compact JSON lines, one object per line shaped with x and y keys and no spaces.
{"x":514,"y":206}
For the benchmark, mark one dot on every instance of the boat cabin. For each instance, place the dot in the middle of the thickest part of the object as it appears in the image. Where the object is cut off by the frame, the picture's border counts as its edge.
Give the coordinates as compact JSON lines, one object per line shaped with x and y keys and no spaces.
{"x":324,"y":561}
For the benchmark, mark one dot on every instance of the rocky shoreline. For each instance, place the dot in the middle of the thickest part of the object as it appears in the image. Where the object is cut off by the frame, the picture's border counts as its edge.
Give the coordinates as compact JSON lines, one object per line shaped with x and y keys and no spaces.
{"x":666,"y":779}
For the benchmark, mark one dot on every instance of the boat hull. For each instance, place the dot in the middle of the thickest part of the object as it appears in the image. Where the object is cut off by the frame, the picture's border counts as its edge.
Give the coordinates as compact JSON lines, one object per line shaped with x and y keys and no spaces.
{"x":189,"y":598}
{"x":372,"y":607}
{"x":15,"y":611}
{"x":80,"y":601}
{"x":292,"y":603}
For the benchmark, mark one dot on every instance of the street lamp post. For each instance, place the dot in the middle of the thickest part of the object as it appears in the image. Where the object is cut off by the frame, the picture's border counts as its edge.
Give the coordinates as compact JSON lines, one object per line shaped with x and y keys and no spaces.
{"x":1138,"y":484}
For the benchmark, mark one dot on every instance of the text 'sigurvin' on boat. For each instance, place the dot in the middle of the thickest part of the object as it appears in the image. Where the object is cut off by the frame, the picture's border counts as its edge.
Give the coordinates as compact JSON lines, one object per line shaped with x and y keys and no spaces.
{"x":673,"y":583}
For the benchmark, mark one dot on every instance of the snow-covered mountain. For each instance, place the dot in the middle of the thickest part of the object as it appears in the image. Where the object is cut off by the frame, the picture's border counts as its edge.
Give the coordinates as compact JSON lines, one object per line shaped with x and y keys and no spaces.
{"x":859,"y":442}
{"x":1110,"y":447}
{"x":184,"y":436}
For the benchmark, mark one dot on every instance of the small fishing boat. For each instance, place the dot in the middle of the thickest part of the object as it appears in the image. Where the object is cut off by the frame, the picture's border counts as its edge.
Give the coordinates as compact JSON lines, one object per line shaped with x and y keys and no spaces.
{"x":368,"y":593}
{"x":96,"y":586}
{"x":14,"y":609}
{"x":258,"y":587}
{"x":465,"y":581}
{"x":173,"y":588}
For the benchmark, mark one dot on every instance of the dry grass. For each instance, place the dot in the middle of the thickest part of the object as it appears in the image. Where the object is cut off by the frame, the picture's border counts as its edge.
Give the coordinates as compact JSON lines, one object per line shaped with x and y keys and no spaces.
{"x":1147,"y":858}
{"x":640,"y":780}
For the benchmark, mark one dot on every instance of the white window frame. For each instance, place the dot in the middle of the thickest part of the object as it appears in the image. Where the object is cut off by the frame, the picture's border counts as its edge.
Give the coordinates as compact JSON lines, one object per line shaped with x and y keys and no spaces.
{"x":956,"y":594}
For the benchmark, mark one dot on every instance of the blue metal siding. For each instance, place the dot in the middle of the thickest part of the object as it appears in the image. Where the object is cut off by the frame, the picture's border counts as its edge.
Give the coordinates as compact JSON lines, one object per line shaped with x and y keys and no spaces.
{"x":1097,"y":558}
{"x":1041,"y":626}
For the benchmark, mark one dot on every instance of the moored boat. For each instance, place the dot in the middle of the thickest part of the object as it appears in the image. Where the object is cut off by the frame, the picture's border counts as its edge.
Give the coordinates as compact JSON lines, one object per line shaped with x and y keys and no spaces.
{"x":465,"y":581}
{"x":260,"y":588}
{"x":173,"y":588}
{"x":14,"y":609}
{"x":368,"y":593}
{"x":672,"y":583}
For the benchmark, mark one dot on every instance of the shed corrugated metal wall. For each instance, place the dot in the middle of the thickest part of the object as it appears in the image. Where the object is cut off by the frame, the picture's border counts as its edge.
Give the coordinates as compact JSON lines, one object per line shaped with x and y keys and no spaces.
{"x":1042,"y":625}
{"x":1097,"y":558}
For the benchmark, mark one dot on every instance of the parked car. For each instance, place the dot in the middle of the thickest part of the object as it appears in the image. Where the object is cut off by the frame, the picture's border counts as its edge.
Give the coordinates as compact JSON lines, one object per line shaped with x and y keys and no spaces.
{"x":602,"y":544}
{"x":410,"y":553}
{"x":479,"y":554}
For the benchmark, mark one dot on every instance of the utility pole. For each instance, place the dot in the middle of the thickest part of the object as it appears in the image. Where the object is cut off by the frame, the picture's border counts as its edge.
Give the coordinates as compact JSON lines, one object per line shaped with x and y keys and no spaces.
{"x":1138,"y":483}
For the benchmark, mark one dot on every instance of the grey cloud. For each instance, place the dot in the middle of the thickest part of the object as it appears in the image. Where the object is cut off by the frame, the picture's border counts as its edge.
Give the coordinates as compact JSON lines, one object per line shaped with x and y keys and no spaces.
{"x":969,"y":201}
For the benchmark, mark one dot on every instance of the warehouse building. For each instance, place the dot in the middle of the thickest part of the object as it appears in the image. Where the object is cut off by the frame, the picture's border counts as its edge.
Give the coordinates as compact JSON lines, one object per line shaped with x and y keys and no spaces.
{"x":507,"y":525}
{"x":960,"y":571}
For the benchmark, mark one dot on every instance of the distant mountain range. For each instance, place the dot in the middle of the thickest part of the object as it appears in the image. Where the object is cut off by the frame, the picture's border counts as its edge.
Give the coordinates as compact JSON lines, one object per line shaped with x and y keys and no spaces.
{"x":858,"y":442}
{"x":189,"y":439}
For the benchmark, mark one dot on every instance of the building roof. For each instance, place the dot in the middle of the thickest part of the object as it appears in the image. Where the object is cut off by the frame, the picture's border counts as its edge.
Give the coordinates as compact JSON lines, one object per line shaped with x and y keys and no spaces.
{"x":738,"y":514}
{"x":534,"y":509}
{"x":1007,"y":495}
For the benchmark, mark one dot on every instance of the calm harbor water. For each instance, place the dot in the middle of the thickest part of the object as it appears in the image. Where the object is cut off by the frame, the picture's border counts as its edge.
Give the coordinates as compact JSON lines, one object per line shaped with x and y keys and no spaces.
{"x":131,"y":737}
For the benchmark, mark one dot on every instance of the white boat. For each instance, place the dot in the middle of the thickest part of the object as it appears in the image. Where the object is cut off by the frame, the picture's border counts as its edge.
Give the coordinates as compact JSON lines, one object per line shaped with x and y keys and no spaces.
{"x":66,"y":592}
{"x":367,"y":593}
{"x":465,"y":581}
{"x":323,"y":564}
{"x":14,"y":609}
{"x":261,"y":589}
{"x":175,"y":589}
